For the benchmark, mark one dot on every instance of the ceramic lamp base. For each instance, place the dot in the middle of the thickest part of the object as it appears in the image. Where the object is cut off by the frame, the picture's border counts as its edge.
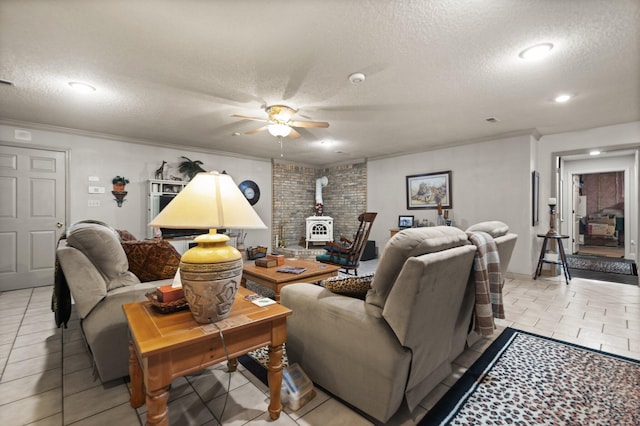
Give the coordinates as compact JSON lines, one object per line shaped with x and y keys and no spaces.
{"x":210,"y":288}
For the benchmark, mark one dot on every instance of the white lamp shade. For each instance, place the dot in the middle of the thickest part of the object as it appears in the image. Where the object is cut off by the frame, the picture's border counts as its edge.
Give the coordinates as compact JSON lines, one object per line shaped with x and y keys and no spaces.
{"x":210,"y":201}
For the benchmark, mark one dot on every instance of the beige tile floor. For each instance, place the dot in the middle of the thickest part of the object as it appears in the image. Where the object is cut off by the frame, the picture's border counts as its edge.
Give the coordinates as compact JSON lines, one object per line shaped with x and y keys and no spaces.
{"x":47,"y":377}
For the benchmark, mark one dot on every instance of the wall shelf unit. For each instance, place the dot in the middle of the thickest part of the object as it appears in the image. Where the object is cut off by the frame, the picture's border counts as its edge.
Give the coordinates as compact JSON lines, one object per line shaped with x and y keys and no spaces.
{"x":169,"y":188}
{"x":158,"y":188}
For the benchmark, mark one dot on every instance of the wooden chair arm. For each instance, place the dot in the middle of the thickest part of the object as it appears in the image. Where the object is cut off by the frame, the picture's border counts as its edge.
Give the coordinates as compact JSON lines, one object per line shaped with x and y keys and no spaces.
{"x":346,"y":240}
{"x":337,"y":246}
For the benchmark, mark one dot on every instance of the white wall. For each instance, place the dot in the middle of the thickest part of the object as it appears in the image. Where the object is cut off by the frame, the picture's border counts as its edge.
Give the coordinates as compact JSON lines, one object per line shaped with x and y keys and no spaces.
{"x":106,"y":158}
{"x":621,"y":136}
{"x":490,"y":181}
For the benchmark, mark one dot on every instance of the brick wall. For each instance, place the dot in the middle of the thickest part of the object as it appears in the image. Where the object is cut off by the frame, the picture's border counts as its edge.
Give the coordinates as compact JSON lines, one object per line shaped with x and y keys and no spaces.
{"x":345,"y":197}
{"x":603,"y":190}
{"x":294,"y":194}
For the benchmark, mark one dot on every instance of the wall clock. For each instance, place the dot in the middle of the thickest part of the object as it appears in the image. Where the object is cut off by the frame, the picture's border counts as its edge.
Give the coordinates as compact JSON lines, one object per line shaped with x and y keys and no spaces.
{"x":250,"y":190}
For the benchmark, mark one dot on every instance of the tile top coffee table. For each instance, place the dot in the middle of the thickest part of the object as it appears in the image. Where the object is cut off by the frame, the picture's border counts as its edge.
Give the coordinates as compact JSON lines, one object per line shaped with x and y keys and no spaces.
{"x":166,"y":346}
{"x":271,"y":278}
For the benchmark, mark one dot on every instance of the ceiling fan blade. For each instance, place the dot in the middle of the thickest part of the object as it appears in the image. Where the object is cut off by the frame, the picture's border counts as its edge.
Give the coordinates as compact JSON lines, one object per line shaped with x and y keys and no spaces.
{"x":294,"y":134}
{"x":309,"y":124}
{"x":254,"y":131}
{"x":249,"y":118}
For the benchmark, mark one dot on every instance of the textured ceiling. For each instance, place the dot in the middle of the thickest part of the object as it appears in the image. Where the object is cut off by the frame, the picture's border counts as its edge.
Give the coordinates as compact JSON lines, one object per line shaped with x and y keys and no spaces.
{"x":173,"y":73}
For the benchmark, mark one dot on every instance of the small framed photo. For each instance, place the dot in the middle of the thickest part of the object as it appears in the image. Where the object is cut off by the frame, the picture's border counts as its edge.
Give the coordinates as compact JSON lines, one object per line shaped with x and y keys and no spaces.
{"x":405,"y":222}
{"x":427,"y":190}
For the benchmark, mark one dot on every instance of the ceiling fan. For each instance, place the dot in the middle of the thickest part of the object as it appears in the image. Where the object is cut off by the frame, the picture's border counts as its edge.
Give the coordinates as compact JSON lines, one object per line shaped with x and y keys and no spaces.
{"x":280,"y":122}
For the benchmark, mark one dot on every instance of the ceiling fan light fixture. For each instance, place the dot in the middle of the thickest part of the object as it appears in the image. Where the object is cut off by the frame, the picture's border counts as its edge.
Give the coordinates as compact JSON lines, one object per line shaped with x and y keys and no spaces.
{"x":279,"y":130}
{"x":280,"y":113}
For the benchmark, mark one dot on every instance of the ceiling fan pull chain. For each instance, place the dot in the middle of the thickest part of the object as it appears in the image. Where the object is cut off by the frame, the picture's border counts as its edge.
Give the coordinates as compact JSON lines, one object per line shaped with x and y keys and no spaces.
{"x":280,"y":142}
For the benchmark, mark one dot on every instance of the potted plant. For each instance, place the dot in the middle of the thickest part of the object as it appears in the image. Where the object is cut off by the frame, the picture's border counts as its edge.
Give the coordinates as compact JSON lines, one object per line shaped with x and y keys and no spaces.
{"x":119,"y":182}
{"x":190,"y":167}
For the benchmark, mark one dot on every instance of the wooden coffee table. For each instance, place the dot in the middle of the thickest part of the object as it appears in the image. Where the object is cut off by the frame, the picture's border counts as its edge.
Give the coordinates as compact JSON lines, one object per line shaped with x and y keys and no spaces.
{"x":271,"y":278}
{"x":164,"y":347}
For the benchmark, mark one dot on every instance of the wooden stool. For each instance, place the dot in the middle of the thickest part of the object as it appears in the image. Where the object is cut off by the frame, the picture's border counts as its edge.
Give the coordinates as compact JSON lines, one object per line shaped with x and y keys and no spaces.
{"x":563,"y":257}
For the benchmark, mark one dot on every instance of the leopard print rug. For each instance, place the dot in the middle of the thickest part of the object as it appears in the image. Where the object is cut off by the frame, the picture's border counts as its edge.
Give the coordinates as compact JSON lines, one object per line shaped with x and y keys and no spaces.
{"x":262,"y":356}
{"x":535,"y":380}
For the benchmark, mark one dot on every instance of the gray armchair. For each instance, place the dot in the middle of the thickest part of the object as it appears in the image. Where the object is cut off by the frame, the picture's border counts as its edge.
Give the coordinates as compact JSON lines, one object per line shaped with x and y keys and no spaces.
{"x":397,"y":344}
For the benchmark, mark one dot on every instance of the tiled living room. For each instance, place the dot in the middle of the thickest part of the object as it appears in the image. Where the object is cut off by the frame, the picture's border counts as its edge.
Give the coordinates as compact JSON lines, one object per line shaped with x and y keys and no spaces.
{"x":48,"y":379}
{"x":358,"y":99}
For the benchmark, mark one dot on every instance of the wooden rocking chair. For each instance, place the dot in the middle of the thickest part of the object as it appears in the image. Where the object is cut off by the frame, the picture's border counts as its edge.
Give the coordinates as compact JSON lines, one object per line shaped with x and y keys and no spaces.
{"x":347,"y":253}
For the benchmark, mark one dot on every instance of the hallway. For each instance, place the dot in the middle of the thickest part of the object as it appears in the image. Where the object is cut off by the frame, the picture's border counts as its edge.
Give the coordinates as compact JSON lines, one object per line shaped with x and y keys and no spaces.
{"x":617,"y":252}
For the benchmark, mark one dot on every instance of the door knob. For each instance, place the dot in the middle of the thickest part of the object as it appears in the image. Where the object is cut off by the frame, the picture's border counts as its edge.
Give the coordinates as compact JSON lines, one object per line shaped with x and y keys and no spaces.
{"x":59,"y":224}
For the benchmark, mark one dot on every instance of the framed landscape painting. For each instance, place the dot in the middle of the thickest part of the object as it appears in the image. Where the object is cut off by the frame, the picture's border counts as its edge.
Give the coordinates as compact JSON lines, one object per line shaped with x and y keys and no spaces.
{"x":427,"y":190}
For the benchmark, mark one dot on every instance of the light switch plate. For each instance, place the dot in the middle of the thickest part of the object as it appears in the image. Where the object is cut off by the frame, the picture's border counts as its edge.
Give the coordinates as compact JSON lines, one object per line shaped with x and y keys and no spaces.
{"x":96,"y":190}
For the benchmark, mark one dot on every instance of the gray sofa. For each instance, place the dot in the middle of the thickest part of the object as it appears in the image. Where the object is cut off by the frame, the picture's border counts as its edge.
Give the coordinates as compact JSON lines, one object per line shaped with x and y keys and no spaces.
{"x":96,"y":270}
{"x":398,"y":343}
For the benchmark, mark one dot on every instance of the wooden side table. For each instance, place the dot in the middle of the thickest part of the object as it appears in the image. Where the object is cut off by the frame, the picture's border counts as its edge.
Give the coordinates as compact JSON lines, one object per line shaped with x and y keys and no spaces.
{"x":164,"y":347}
{"x":563,"y":258}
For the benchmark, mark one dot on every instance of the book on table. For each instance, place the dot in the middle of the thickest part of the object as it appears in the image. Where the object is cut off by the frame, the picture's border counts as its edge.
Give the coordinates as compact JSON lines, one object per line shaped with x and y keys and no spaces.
{"x":259,"y":300}
{"x":291,"y":270}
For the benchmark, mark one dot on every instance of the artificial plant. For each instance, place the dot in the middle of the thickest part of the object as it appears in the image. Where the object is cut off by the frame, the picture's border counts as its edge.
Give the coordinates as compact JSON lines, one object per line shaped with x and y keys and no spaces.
{"x":190,"y":167}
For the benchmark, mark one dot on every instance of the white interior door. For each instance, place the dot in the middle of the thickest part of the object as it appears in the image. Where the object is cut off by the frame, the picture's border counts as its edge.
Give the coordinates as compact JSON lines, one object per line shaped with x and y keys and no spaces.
{"x":32,"y":215}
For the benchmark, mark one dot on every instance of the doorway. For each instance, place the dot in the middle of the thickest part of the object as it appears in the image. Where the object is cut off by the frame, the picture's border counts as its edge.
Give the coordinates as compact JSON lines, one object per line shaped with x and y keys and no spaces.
{"x":32,"y":215}
{"x":623,"y":165}
{"x":599,"y":199}
{"x":600,"y":214}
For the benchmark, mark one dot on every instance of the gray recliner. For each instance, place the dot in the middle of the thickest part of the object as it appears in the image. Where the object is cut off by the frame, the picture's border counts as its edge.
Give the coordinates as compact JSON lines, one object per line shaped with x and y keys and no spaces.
{"x":398,"y":343}
{"x":96,"y":270}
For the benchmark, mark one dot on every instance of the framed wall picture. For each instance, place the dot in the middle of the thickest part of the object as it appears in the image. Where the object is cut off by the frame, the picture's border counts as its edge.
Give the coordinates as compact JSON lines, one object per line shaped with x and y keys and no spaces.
{"x":405,"y":221}
{"x":535,"y":198}
{"x":427,"y":190}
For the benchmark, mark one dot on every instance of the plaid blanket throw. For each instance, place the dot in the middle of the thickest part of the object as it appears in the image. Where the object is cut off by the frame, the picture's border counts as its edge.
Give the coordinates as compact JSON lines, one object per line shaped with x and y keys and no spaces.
{"x":488,"y":281}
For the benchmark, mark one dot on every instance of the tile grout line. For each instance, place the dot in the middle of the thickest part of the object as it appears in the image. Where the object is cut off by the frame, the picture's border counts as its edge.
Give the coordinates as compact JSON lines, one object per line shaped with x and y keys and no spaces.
{"x":63,"y":327}
{"x":26,"y":308}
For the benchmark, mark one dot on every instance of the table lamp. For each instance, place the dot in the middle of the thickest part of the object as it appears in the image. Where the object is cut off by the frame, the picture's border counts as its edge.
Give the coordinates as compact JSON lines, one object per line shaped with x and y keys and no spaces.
{"x":211,"y":271}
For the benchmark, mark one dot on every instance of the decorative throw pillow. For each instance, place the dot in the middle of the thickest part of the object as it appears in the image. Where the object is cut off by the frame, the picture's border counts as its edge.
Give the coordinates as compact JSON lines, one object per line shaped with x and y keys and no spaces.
{"x":125,"y":235}
{"x":349,"y":286}
{"x":152,"y":260}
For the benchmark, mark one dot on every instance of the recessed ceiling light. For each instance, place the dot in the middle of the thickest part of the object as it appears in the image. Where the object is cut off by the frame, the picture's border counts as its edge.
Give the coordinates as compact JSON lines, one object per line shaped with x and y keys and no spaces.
{"x":537,"y":51}
{"x":562,"y":98}
{"x":594,"y":152}
{"x":357,"y":77}
{"x":235,"y":134}
{"x":82,"y":87}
